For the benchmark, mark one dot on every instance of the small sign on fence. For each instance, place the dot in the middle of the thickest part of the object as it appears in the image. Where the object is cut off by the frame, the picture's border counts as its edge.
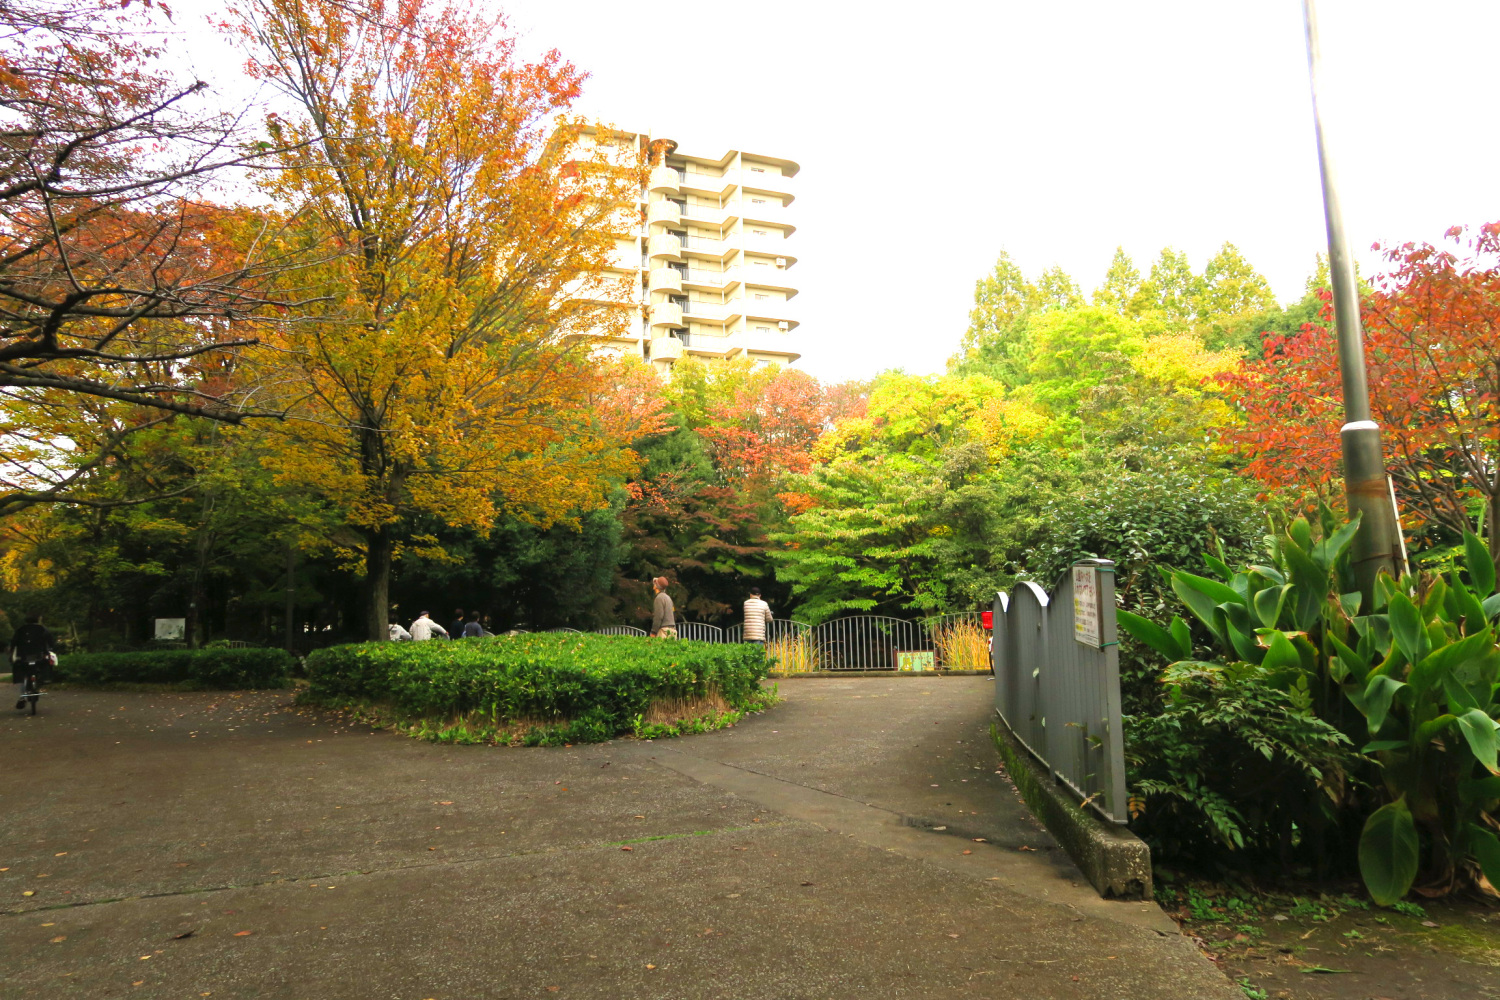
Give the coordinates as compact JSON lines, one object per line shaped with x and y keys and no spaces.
{"x":915,"y":660}
{"x":171,"y":629}
{"x":1086,"y":612}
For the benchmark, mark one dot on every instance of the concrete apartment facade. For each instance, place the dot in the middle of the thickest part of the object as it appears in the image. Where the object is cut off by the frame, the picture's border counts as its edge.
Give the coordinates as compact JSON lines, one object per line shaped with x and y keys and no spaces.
{"x":708,"y":268}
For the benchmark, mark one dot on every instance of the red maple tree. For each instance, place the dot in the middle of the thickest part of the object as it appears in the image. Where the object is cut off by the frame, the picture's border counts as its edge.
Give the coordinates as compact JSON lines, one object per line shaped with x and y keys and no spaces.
{"x":1432,"y":347}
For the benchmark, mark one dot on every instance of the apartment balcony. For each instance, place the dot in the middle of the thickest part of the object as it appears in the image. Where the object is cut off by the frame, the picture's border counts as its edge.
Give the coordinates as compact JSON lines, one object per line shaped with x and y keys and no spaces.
{"x":699,"y":278}
{"x":770,"y":213}
{"x":713,"y":311}
{"x":666,"y":348}
{"x":705,"y":215}
{"x":756,"y":275}
{"x":663,"y":213}
{"x":665,"y":279}
{"x":664,"y":180}
{"x":776,"y":343}
{"x":702,"y":246}
{"x":664,"y":246}
{"x":666,"y":314}
{"x":709,"y":345}
{"x":754,"y":180}
{"x":767,"y":310}
{"x":771,"y":246}
{"x":714,"y":184}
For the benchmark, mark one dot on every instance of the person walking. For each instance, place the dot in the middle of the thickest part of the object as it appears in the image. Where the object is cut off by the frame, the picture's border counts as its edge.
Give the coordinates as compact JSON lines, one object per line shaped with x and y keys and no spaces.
{"x":456,"y":630}
{"x":423,"y":628}
{"x":397,"y":633}
{"x":663,"y":624}
{"x":757,"y":618}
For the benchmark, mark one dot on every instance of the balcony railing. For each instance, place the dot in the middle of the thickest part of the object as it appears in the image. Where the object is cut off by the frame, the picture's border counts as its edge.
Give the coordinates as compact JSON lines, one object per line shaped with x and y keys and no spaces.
{"x":703,"y":213}
{"x":719,"y":278}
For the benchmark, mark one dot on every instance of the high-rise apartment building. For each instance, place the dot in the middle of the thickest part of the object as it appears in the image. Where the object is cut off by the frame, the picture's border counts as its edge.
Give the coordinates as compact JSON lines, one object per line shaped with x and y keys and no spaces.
{"x":708,"y":268}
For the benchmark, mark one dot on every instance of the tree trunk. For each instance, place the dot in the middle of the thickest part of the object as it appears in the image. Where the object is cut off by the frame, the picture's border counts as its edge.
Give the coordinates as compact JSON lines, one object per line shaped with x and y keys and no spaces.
{"x":291,"y":597}
{"x":378,"y":548}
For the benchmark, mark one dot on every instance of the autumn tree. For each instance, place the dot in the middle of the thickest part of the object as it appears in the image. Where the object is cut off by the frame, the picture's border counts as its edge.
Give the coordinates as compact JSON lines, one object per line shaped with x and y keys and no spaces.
{"x":1432,"y":340}
{"x":116,"y":282}
{"x":438,"y":380}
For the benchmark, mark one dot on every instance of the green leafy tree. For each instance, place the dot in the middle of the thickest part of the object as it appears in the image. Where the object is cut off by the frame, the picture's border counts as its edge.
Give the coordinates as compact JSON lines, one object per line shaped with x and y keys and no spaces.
{"x":1121,"y":284}
{"x":1168,"y":298}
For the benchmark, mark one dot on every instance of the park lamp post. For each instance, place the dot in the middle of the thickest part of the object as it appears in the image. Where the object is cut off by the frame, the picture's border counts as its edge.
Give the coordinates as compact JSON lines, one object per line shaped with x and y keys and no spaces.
{"x":1377,"y":545}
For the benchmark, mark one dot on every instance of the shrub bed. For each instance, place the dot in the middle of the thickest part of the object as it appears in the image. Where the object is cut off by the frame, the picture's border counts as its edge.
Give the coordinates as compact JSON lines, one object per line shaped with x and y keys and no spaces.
{"x":540,"y":689}
{"x":209,"y":669}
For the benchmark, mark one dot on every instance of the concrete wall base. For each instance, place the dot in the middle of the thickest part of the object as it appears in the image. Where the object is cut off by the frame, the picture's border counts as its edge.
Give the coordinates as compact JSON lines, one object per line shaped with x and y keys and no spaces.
{"x":1114,"y":860}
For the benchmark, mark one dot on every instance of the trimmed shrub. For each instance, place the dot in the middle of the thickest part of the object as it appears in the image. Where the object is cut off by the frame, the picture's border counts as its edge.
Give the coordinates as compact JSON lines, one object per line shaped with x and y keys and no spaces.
{"x":207,"y":669}
{"x":542,"y":688}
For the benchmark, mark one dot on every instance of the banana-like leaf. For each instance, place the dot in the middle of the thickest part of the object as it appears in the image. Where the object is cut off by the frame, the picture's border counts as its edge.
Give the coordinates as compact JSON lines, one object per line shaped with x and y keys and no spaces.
{"x":1407,"y":628}
{"x":1268,"y":604}
{"x":1379,"y":694}
{"x":1379,"y":745}
{"x":1153,"y":635}
{"x":1219,"y":567}
{"x":1428,"y":731}
{"x":1183,"y":636}
{"x":1200,"y":604}
{"x":1300,"y":532}
{"x":1235,"y":621}
{"x":1280,"y":653}
{"x":1311,"y":586}
{"x":1271,"y":573}
{"x":1479,"y":790}
{"x":1460,"y":698}
{"x":1491,"y":605}
{"x":1346,"y":662}
{"x":1479,"y":731}
{"x":1388,"y":852}
{"x":1450,"y":662}
{"x":1327,"y":552}
{"x":1213,"y":589}
{"x":1485,"y":847}
{"x":1437,"y":597}
{"x":1481,"y":567}
{"x":1469,"y":609}
{"x":1350,"y":603}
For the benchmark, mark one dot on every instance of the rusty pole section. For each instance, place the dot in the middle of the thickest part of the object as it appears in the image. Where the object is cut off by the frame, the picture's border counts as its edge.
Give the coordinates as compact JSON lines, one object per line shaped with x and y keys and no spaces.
{"x":1378,"y":543}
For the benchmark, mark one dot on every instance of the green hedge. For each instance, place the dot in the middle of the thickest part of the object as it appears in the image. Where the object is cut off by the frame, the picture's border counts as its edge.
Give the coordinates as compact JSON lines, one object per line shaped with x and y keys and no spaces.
{"x":210,"y":669}
{"x":541,"y":688}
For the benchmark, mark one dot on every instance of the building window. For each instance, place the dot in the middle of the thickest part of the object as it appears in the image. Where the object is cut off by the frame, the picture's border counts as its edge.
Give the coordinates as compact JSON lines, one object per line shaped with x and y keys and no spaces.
{"x":762,"y":329}
{"x":757,"y":201}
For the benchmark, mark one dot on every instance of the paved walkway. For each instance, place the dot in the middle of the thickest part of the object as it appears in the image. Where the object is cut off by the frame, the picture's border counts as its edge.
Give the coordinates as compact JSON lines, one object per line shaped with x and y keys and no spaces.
{"x":222,"y":845}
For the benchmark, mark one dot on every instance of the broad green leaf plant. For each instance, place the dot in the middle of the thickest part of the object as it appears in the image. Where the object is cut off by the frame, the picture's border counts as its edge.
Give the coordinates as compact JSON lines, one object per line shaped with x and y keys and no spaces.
{"x":1421,"y":668}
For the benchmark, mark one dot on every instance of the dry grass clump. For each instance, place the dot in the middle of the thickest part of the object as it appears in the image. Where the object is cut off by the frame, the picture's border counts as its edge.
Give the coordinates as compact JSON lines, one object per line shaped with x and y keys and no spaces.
{"x":962,"y":645}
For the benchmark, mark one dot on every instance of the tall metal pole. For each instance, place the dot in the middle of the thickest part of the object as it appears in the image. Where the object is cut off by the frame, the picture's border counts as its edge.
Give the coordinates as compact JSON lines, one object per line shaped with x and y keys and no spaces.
{"x":1377,"y":544}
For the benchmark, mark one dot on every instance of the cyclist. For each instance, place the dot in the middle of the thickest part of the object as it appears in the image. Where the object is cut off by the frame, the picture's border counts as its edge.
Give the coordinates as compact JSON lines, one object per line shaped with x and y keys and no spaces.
{"x":31,"y":658}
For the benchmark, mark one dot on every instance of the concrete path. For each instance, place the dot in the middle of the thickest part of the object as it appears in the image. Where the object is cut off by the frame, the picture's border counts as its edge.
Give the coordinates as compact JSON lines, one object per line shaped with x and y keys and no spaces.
{"x":190,"y":845}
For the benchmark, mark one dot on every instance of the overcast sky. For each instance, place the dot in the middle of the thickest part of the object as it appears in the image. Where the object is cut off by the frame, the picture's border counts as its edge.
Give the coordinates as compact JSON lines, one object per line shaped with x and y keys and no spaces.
{"x":934,"y":135}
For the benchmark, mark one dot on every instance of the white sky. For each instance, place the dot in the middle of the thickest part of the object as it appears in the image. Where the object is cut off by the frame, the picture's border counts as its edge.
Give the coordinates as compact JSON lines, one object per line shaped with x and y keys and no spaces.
{"x":934,"y":135}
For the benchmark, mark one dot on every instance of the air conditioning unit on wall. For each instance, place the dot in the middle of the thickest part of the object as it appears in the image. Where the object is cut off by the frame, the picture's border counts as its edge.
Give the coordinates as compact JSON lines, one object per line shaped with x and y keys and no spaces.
{"x":784,"y":325}
{"x":781,"y":262}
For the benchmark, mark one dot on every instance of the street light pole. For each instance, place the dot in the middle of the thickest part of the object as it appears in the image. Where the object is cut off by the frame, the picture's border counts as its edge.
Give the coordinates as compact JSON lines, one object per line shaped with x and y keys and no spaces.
{"x":1377,"y":544}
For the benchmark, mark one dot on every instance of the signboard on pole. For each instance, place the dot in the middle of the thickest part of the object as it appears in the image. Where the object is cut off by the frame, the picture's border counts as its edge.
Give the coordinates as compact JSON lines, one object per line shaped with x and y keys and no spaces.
{"x":1086,"y":612}
{"x":171,"y":629}
{"x":915,"y":660}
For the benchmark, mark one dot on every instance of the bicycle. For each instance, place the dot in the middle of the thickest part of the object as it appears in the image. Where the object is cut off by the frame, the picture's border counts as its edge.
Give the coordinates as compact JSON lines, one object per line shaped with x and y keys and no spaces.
{"x":30,"y":672}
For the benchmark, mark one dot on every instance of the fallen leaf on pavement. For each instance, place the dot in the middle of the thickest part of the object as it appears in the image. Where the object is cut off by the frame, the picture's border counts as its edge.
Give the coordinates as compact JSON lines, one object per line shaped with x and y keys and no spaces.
{"x":445,"y":803}
{"x":1428,"y":923}
{"x":627,"y":848}
{"x":968,"y":852}
{"x":807,"y":883}
{"x":979,"y":840}
{"x":1319,"y":968}
{"x":650,"y":966}
{"x":243,"y":933}
{"x":59,"y":939}
{"x":953,"y":935}
{"x":28,"y":892}
{"x":1023,"y":847}
{"x":184,"y":934}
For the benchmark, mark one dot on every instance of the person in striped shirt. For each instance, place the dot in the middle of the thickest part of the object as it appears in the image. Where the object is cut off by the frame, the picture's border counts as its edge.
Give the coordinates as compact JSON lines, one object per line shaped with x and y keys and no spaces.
{"x":757,"y":617}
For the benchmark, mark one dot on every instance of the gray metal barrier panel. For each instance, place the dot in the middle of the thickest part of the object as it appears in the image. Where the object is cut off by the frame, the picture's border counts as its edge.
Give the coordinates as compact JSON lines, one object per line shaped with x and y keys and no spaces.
{"x":1060,"y":695}
{"x":620,"y":630}
{"x":699,"y":632}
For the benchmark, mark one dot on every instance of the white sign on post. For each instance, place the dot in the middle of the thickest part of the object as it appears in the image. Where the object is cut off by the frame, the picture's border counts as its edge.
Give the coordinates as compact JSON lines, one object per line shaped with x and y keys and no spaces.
{"x":171,"y":629}
{"x":1086,"y":625}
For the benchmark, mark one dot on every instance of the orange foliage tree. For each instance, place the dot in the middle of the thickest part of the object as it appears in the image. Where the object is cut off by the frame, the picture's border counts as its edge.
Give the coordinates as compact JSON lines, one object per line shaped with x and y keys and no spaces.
{"x":1432,"y":342}
{"x":116,"y":280}
{"x":438,"y":378}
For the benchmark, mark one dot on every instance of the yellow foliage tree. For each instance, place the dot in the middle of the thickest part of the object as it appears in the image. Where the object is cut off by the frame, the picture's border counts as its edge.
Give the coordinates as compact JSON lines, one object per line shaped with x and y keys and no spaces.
{"x":467,"y":240}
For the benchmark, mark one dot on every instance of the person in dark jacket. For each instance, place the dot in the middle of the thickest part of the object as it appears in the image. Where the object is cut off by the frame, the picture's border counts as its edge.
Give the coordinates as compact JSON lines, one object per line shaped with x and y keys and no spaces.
{"x":472,"y":628}
{"x":30,"y":653}
{"x":663,"y":622}
{"x":456,"y":630}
